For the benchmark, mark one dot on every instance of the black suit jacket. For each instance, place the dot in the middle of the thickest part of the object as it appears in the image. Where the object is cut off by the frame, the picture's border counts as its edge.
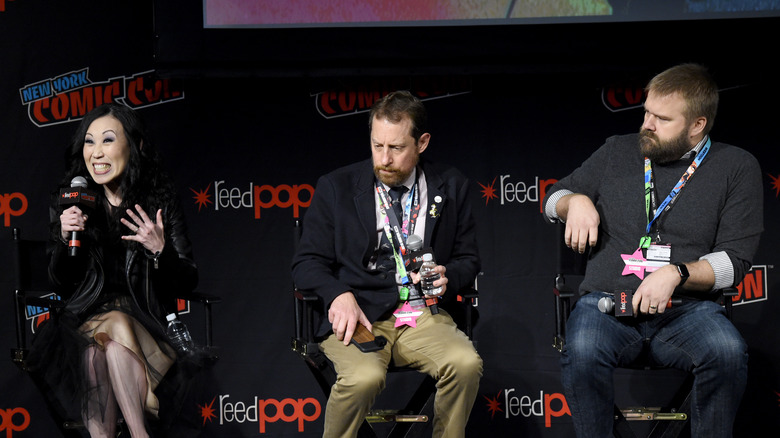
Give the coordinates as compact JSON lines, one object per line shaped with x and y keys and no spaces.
{"x":339,"y":238}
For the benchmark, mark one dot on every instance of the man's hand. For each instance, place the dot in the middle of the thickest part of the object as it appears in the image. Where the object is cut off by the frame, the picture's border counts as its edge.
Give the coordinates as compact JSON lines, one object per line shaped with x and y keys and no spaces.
{"x":656,"y":289}
{"x":344,"y":314}
{"x":442,"y":270}
{"x":582,"y":221}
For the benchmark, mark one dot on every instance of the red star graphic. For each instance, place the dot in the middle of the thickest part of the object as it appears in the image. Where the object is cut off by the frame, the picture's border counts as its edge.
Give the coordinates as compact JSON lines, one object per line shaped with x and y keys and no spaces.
{"x":489,"y":192}
{"x":202,"y":198}
{"x":207,"y":412}
{"x":494,"y":405}
{"x":775,"y":184}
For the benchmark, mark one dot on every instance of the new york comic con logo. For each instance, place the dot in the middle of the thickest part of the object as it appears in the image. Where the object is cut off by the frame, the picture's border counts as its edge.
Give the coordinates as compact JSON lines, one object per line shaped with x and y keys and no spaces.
{"x":69,"y":96}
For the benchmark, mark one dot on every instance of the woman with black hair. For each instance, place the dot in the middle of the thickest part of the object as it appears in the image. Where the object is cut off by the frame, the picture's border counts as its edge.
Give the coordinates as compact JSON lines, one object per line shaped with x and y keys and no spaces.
{"x":134,"y":259}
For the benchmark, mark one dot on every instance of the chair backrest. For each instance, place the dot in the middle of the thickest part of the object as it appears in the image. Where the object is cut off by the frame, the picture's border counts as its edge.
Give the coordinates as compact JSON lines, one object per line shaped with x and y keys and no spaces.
{"x":30,"y":264}
{"x":32,"y":288}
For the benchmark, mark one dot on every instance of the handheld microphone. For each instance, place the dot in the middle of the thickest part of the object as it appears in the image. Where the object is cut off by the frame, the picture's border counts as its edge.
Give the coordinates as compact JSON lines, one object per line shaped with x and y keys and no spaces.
{"x":607,"y":304}
{"x":413,"y":256}
{"x":76,"y":194}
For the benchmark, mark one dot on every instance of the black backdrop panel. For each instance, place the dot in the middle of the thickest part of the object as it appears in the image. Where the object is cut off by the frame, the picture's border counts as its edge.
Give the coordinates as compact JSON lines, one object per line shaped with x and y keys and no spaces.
{"x":246,"y":148}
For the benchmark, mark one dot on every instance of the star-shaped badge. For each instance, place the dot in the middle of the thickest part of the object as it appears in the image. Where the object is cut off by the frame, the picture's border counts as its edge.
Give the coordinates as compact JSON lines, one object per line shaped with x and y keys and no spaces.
{"x":406,"y":316}
{"x":638,"y":265}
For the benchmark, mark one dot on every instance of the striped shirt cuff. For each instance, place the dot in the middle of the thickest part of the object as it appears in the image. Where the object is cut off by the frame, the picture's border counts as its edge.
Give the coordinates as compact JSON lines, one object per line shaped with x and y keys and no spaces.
{"x":552,"y":201}
{"x":722,"y":267}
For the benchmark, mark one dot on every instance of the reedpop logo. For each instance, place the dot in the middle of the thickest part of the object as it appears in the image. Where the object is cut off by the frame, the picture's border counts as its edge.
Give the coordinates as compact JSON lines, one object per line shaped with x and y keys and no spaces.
{"x":261,"y":411}
{"x":511,"y":405}
{"x":256,"y":197}
{"x":7,"y":423}
{"x":12,"y":204}
{"x":509,"y":191}
{"x":775,"y":184}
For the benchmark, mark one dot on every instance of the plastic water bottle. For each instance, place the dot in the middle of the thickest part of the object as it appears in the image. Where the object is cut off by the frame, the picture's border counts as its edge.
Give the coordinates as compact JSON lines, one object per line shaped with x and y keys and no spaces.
{"x":179,"y":335}
{"x":428,"y":275}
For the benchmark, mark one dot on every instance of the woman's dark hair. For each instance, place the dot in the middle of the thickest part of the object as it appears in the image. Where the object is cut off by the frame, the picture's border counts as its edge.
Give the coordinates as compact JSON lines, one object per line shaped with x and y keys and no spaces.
{"x":143,"y":182}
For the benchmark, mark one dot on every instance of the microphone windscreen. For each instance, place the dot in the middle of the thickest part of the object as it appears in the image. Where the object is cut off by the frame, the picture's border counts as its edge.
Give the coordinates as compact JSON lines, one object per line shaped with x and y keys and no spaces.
{"x":414,"y":242}
{"x":78,"y":181}
{"x":606,"y":305}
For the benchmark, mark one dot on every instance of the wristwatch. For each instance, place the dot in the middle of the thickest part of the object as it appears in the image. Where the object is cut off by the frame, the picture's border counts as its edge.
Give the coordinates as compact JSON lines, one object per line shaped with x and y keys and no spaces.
{"x":683,"y":270}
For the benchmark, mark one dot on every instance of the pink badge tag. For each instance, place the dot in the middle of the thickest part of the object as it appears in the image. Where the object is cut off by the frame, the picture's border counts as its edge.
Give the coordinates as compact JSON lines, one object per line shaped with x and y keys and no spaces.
{"x":406,"y":316}
{"x":638,"y":265}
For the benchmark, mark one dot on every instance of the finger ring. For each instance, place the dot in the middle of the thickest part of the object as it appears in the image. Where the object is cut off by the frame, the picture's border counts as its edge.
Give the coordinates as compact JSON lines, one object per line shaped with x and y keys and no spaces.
{"x":136,"y":229}
{"x":653,"y":307}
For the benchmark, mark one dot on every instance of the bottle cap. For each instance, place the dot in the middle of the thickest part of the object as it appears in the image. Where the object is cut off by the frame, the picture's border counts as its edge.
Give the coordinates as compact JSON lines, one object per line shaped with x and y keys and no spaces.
{"x":427,"y":256}
{"x":171,"y":316}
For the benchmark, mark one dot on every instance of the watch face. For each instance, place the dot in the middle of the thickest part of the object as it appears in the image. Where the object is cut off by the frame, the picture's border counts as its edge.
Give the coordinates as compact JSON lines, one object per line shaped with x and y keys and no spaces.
{"x":683,"y":270}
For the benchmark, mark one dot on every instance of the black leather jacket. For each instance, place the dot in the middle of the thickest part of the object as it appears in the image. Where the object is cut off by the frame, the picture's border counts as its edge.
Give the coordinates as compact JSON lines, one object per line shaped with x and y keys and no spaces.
{"x":154,"y":284}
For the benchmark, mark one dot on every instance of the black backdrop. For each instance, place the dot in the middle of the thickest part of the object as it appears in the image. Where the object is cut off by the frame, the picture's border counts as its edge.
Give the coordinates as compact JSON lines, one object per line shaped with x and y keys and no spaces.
{"x":247,"y":122}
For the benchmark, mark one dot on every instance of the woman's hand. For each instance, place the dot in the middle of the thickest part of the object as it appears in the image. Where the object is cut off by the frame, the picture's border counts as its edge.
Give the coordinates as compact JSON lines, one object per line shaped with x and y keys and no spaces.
{"x":72,"y":219}
{"x":147,"y":232}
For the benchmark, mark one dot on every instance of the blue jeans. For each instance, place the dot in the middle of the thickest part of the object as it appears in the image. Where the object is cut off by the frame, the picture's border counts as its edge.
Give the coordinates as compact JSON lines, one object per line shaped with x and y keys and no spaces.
{"x":695,"y":336}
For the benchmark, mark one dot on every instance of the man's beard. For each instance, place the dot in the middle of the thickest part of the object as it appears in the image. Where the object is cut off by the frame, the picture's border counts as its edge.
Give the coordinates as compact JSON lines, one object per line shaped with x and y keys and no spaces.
{"x":392,"y":180}
{"x":663,"y":151}
{"x":397,"y":177}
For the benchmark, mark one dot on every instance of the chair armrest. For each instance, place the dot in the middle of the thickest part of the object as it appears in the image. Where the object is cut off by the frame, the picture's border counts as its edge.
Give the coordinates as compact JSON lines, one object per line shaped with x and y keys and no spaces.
{"x":206,"y":300}
{"x":199,"y":297}
{"x":727,"y":294}
{"x":469,"y":295}
{"x":563,"y":294}
{"x":304,"y":295}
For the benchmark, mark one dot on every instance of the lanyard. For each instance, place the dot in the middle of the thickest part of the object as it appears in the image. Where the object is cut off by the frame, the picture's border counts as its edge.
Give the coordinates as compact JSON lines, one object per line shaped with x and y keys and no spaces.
{"x":397,"y":232}
{"x":671,"y":198}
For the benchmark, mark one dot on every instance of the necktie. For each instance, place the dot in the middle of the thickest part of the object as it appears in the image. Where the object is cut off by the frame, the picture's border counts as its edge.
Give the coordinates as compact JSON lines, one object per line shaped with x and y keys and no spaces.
{"x":396,"y":193}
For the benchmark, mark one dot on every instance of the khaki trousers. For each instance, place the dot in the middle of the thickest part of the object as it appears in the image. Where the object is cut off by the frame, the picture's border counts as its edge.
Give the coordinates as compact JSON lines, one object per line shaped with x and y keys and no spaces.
{"x":435,"y":347}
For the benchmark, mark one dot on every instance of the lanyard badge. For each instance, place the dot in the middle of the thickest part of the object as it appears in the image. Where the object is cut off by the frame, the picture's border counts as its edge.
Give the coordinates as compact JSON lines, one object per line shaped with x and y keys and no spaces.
{"x":657,"y":254}
{"x":671,"y":198}
{"x":397,"y":229}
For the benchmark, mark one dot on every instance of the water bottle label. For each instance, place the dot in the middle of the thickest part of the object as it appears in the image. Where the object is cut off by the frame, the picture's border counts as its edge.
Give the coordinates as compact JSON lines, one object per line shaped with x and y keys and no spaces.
{"x":427,"y":284}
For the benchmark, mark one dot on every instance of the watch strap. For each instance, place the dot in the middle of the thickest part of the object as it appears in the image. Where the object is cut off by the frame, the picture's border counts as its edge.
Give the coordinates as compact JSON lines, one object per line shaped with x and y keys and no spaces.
{"x":683,"y":271}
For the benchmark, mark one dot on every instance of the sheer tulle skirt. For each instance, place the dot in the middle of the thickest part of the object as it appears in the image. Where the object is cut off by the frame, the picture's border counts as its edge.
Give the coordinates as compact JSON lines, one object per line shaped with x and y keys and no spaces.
{"x":122,"y":328}
{"x":58,"y":353}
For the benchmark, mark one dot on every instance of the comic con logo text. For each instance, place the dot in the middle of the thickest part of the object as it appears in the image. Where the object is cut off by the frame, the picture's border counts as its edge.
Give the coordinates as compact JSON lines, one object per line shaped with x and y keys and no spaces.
{"x":358,"y":96}
{"x":70,"y":96}
{"x":255,"y":197}
{"x":753,"y":288}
